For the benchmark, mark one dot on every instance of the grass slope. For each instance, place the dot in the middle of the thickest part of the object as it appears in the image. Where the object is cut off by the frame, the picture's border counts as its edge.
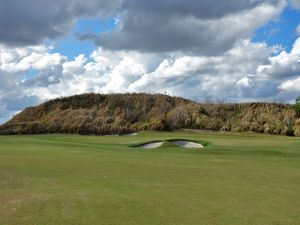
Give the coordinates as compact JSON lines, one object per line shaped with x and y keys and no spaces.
{"x":88,"y":180}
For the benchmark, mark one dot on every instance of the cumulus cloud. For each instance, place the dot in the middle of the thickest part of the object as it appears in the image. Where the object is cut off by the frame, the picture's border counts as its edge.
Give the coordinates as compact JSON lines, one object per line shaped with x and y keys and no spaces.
{"x":31,"y":21}
{"x":205,"y":27}
{"x":154,"y":26}
{"x":16,"y":60}
{"x":12,"y":97}
{"x":14,"y":63}
{"x":284,"y":65}
{"x":121,"y":71}
{"x":244,"y":82}
{"x":216,"y":77}
{"x":104,"y":71}
{"x":291,"y":85}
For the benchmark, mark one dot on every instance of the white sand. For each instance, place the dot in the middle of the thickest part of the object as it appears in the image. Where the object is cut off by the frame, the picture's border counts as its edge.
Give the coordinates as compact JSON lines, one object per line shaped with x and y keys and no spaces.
{"x":131,"y":134}
{"x":151,"y":145}
{"x":187,"y":144}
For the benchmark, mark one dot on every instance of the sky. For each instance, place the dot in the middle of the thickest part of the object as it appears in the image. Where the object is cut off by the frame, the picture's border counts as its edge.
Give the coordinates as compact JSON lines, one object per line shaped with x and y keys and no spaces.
{"x":208,"y":50}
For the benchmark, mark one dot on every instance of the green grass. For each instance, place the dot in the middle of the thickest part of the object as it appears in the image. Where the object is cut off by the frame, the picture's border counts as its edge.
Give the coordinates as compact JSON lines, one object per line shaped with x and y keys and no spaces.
{"x":87,"y":180}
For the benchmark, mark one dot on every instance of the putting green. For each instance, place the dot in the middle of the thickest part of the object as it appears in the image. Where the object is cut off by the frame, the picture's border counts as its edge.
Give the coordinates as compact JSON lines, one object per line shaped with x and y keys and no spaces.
{"x":86,"y":180}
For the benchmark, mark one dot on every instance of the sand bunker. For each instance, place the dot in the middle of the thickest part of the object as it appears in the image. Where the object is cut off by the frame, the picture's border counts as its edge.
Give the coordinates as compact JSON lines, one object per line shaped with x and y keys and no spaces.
{"x":151,"y":145}
{"x":187,"y":144}
{"x":180,"y":143}
{"x":131,"y":134}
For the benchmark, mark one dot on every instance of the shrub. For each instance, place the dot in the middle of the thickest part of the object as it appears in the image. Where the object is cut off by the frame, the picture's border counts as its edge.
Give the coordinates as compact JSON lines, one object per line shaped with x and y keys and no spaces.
{"x":297,"y":128}
{"x":297,"y":106}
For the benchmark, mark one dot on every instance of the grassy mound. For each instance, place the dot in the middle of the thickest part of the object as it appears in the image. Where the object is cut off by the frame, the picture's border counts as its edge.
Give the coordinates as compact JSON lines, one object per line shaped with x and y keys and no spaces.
{"x":128,"y":113}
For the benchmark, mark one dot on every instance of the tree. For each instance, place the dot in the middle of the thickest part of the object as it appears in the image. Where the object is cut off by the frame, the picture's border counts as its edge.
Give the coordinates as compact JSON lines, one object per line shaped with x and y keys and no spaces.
{"x":297,"y":106}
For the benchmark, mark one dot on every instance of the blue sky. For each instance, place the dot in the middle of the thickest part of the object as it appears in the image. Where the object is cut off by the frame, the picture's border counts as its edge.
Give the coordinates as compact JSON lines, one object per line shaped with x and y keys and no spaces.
{"x":205,"y":50}
{"x":70,"y":45}
{"x":281,"y":31}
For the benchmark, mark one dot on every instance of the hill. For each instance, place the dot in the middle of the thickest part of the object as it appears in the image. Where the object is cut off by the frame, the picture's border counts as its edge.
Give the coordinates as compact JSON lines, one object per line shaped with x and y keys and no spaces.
{"x":124,"y":113}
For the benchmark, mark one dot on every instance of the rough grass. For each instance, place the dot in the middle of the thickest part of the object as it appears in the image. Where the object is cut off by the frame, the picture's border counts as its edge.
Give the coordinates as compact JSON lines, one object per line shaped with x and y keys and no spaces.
{"x":88,"y":180}
{"x":126,"y":113}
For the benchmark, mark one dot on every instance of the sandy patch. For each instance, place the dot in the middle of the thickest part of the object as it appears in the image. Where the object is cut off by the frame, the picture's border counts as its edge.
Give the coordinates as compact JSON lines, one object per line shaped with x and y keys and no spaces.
{"x":131,"y":134}
{"x":151,"y":145}
{"x":187,"y":144}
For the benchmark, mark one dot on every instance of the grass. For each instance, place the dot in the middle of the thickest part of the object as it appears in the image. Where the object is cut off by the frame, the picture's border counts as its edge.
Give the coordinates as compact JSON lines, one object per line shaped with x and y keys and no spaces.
{"x":88,"y":180}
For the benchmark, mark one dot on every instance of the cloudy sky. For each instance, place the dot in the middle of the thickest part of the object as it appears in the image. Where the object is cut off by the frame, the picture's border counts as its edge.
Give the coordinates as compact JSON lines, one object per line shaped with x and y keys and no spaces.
{"x":231,"y":50}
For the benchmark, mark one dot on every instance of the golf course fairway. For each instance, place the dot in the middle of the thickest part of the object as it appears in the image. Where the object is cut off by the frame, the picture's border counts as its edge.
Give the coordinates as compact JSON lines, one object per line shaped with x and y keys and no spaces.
{"x":236,"y":179}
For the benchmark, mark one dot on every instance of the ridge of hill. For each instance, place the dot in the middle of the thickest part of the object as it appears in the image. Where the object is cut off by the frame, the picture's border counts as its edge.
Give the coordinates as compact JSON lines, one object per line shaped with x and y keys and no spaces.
{"x":102,"y":114}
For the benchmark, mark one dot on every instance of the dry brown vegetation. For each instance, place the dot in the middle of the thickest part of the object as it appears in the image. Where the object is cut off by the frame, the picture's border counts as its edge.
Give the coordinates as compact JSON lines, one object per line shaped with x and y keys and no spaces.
{"x":124,"y":113}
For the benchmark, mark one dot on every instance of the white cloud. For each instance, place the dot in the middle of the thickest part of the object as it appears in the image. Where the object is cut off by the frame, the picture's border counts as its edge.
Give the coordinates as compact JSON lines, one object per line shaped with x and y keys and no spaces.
{"x":244,"y":82}
{"x":76,"y":66}
{"x":217,"y":77}
{"x":284,"y":65}
{"x":291,"y":85}
{"x":17,"y":60}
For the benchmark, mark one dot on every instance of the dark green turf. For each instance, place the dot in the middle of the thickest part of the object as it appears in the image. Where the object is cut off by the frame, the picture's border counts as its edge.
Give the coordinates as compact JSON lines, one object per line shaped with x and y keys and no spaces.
{"x":86,"y":180}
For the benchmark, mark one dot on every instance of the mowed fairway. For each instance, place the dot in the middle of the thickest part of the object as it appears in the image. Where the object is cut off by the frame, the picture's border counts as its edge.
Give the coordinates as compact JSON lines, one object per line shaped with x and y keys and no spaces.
{"x":88,"y":180}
